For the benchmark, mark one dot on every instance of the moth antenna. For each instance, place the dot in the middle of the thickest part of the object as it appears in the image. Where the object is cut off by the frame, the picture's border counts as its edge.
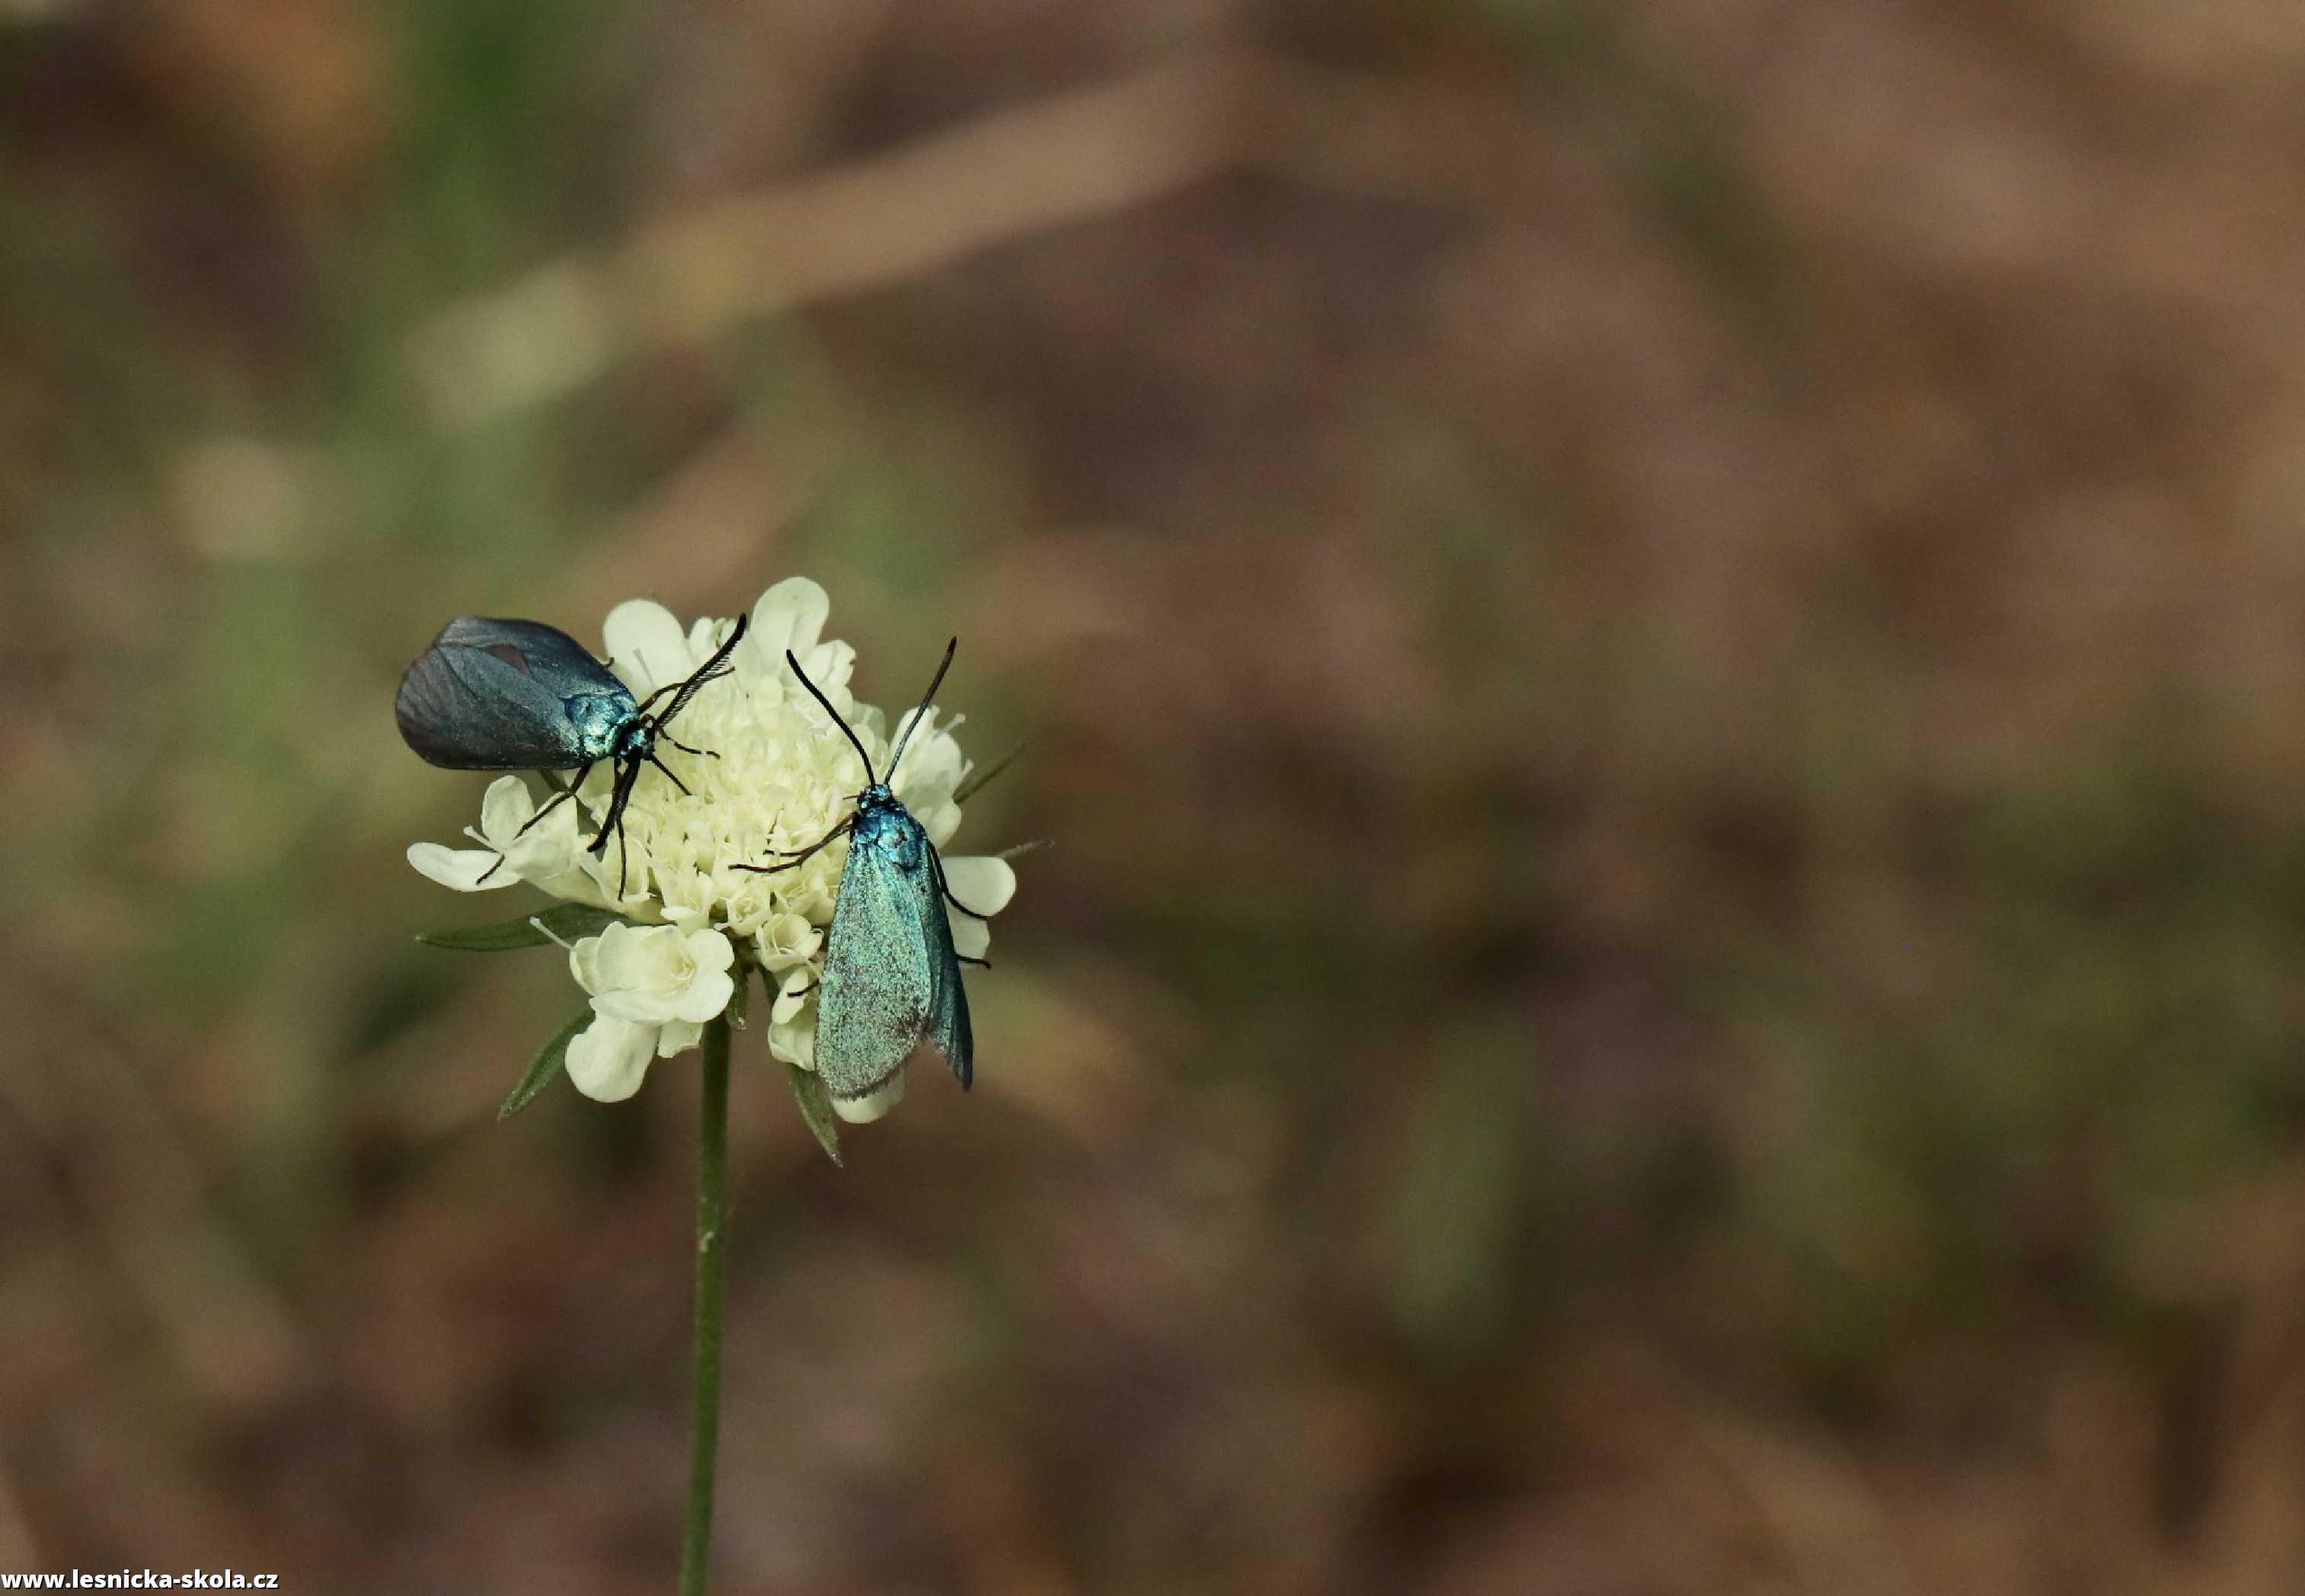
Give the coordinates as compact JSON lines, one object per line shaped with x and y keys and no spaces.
{"x":835,"y":714}
{"x":710,"y":672}
{"x":927,"y":698}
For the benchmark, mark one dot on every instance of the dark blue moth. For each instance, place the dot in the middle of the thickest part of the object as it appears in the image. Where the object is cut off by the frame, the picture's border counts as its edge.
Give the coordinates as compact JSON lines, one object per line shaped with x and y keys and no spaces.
{"x":519,"y":695}
{"x":892,"y":975}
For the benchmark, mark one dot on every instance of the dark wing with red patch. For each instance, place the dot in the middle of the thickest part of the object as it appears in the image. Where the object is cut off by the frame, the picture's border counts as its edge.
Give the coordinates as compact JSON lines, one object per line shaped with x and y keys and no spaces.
{"x":547,"y":653}
{"x":491,"y":696}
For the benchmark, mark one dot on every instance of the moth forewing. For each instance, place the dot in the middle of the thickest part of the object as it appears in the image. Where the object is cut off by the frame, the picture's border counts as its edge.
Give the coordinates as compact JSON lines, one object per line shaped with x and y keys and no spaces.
{"x":464,"y":708}
{"x":877,"y":985}
{"x":890,"y":975}
{"x":948,"y":1002}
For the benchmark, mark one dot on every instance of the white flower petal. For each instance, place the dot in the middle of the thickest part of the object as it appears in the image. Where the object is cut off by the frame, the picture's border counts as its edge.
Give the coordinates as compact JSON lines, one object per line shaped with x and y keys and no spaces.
{"x":795,"y":1040}
{"x":590,"y":880}
{"x":649,"y":958}
{"x":638,"y":1008}
{"x":871,"y":1106}
{"x":678,"y":1037}
{"x":707,"y":994}
{"x":621,"y":968}
{"x":970,"y":938}
{"x":984,"y":882}
{"x":789,"y":616}
{"x":610,"y":1059}
{"x":462,"y":869}
{"x":579,"y":888}
{"x":646,"y":646}
{"x":792,"y":996}
{"x":584,"y":962}
{"x":940,"y":823}
{"x":625,"y":865}
{"x":713,"y":953}
{"x":652,"y":975}
{"x":545,"y":851}
{"x":785,"y":939}
{"x":830,"y":666}
{"x":505,"y":808}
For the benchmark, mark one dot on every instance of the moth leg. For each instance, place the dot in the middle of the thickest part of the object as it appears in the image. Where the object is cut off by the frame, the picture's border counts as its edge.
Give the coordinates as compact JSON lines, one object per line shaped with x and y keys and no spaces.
{"x":668,"y":776}
{"x":701,"y":753}
{"x":938,"y":865}
{"x":491,"y":870}
{"x":557,"y":800}
{"x":980,"y":963}
{"x":615,"y":820}
{"x":793,"y":861}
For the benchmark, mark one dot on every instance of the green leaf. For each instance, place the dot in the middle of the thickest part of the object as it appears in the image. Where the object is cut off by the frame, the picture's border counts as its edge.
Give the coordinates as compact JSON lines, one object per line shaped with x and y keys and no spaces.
{"x":816,"y":1109}
{"x":566,"y":921}
{"x":548,"y":1062}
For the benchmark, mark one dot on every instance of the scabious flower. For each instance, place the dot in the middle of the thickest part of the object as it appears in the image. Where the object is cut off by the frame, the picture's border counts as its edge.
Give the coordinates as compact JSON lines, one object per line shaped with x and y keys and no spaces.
{"x":774,"y":773}
{"x":653,"y":987}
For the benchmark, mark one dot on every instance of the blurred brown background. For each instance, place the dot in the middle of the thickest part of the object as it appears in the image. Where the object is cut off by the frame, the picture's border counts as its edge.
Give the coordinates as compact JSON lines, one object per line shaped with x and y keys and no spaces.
{"x":1665,"y":645}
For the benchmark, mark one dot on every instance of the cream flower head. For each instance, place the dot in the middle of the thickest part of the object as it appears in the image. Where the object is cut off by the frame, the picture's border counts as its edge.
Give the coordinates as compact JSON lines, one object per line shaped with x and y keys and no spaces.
{"x":775,"y":774}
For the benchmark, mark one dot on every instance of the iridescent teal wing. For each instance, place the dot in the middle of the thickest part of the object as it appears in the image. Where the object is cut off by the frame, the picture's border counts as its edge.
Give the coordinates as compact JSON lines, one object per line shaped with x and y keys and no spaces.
{"x":948,"y":998}
{"x":880,"y":983}
{"x":492,"y":695}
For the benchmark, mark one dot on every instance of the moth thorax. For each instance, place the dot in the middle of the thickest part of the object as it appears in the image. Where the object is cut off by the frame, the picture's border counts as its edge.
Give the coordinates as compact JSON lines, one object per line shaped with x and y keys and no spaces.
{"x":636,"y":739}
{"x":606,"y":725}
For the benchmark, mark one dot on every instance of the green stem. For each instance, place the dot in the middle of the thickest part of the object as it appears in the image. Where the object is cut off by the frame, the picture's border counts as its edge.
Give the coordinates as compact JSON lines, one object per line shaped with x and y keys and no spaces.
{"x":704,"y":1386}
